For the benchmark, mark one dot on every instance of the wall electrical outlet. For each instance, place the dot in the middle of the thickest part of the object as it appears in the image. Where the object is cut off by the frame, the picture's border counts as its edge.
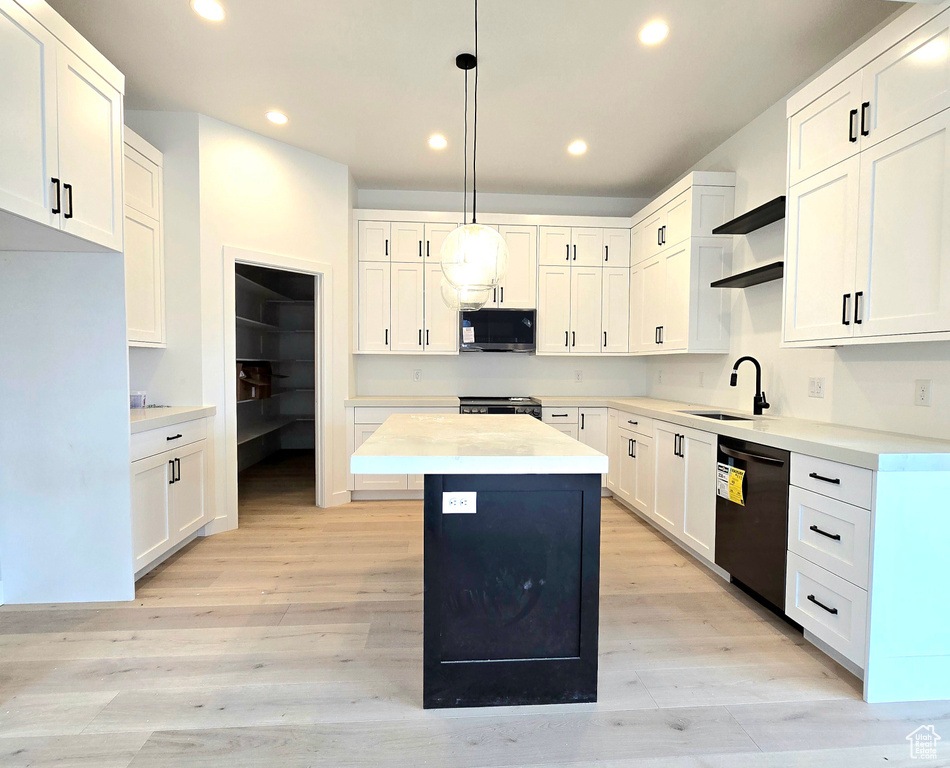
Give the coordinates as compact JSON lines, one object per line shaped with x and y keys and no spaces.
{"x":922,"y":394}
{"x":816,"y":387}
{"x":578,"y":375}
{"x":458,"y":503}
{"x":417,"y":374}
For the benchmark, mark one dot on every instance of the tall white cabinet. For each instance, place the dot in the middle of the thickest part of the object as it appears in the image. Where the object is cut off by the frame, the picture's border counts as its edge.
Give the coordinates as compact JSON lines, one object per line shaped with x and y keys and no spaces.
{"x":867,"y":257}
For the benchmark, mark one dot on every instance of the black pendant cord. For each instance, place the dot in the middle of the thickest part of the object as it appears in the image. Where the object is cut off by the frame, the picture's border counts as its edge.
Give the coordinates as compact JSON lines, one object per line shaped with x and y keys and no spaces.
{"x":465,"y":157}
{"x":475,"y":124}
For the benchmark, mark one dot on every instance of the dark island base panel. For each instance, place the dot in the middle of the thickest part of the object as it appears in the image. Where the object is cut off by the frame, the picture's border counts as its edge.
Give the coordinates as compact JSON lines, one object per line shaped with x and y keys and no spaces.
{"x":512,"y":591}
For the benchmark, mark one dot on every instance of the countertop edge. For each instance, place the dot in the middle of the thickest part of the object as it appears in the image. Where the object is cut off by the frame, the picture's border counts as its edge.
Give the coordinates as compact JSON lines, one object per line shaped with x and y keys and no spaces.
{"x":165,"y":417}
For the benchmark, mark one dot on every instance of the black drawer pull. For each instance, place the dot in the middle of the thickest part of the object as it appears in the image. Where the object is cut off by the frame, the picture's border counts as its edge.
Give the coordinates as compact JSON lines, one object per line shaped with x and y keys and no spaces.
{"x":816,"y":529}
{"x":632,"y":422}
{"x":59,"y":202}
{"x":172,"y":463}
{"x":832,"y":480}
{"x":68,"y":189}
{"x":833,"y":611}
{"x":173,"y":437}
{"x":845,"y":312}
{"x":178,"y":470}
{"x":567,"y":338}
{"x":865,"y":131}
{"x":559,"y":415}
{"x":852,"y":128}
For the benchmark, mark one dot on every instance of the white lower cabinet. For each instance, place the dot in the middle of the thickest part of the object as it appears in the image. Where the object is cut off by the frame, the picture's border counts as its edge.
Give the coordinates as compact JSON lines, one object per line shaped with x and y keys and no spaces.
{"x":592,"y":430}
{"x":627,"y":470}
{"x":375,"y":482}
{"x":613,"y":449}
{"x":171,"y":492}
{"x":646,"y":461}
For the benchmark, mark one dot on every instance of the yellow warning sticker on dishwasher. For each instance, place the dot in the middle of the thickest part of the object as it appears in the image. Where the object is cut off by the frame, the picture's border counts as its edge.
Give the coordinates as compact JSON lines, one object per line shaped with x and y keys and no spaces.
{"x":729,"y":483}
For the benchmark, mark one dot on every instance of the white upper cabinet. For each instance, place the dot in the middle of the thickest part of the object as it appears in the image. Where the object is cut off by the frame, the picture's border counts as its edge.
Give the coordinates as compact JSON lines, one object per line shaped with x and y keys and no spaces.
{"x":908,"y":83}
{"x":408,"y":307}
{"x":635,"y":338}
{"x":587,"y":247}
{"x":519,"y":288}
{"x":617,"y":247}
{"x":435,"y":235}
{"x":586,"y":297}
{"x":60,"y":141}
{"x":374,"y":240}
{"x":374,"y":291}
{"x":615,"y":312}
{"x":28,"y":143}
{"x":555,"y":246}
{"x":407,"y":241}
{"x":651,"y":233}
{"x":902,"y":284}
{"x":826,"y":132}
{"x":554,"y":310}
{"x":442,"y":323}
{"x":822,"y":245}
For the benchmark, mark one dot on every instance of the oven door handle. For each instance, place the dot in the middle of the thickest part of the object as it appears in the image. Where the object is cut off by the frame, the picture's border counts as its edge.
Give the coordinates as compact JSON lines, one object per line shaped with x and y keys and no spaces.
{"x":742,"y":455}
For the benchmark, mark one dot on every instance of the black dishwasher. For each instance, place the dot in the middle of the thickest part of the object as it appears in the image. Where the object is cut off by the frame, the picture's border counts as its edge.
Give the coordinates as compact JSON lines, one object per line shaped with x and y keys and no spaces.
{"x":752,"y":536}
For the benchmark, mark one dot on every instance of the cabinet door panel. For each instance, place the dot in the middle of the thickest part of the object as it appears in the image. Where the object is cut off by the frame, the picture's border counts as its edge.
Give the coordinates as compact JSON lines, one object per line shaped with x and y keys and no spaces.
{"x":143,"y":183}
{"x":904,"y":226}
{"x":151,"y":527}
{"x":586,"y":297}
{"x":519,"y":289}
{"x":670,"y":480}
{"x":613,"y":449}
{"x":28,"y":142}
{"x":651,"y":234}
{"x":554,"y":310}
{"x":675,"y":333}
{"x":374,"y":240}
{"x":442,"y":323}
{"x":592,"y":431}
{"x":617,"y":245}
{"x":909,"y":83}
{"x":374,"y":309}
{"x":144,"y":279}
{"x":636,"y":309}
{"x":555,"y":246}
{"x":587,"y":247}
{"x":652,"y":302}
{"x":568,"y":429}
{"x":699,"y":511}
{"x":627,"y":476}
{"x":90,"y":152}
{"x":375,"y":482}
{"x":190,"y":491}
{"x":435,"y":235}
{"x":408,"y":281}
{"x":821,"y":252}
{"x":616,"y":310}
{"x":679,"y":219}
{"x":646,"y":469}
{"x":408,"y":242}
{"x":825,"y":132}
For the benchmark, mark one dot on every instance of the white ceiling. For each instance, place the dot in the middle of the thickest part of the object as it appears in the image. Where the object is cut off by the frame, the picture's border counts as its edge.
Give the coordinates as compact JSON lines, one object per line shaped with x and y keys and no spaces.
{"x":365,"y":82}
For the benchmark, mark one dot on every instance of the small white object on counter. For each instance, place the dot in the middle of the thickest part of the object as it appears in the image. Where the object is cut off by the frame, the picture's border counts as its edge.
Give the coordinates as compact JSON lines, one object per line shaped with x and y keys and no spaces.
{"x":143,"y":419}
{"x":470,"y":444}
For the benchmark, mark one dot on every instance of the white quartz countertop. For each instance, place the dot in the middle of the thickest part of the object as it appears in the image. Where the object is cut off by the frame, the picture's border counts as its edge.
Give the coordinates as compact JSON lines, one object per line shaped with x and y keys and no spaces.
{"x":143,"y":419}
{"x":468,"y":444}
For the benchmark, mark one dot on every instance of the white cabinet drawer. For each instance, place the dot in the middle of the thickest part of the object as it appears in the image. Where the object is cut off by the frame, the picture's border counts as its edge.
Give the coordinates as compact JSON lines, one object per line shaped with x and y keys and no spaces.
{"x":830,"y":533}
{"x":168,"y":438}
{"x":832,"y":609}
{"x":559,"y":415}
{"x":851,"y":485}
{"x":642,"y":425}
{"x":377,"y":415}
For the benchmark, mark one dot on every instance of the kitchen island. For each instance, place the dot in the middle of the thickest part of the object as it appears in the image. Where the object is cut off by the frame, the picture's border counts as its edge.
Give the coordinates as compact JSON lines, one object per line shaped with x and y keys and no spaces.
{"x":512,"y":555}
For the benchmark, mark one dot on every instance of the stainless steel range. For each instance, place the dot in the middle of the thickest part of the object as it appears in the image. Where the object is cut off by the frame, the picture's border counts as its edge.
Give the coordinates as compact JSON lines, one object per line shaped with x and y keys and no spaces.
{"x":527,"y":405}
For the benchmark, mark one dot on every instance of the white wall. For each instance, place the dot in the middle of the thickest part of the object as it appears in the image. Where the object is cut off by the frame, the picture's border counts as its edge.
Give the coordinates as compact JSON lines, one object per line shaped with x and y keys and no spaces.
{"x":867,"y":386}
{"x":499,"y":375}
{"x":172,"y":376}
{"x":263,"y":195}
{"x":65,"y":523}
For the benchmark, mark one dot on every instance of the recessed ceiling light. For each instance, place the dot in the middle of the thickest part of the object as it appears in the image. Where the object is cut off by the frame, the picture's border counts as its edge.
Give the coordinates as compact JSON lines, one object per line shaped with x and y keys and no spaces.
{"x":654,"y":32}
{"x":278,"y":118}
{"x":577,"y":147}
{"x":436,"y":141}
{"x":208,"y":9}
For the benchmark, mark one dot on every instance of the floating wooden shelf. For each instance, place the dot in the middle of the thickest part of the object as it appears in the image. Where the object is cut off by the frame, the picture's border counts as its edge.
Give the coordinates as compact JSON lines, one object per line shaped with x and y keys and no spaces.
{"x":764,"y":274}
{"x":256,"y":324}
{"x":772,"y":211}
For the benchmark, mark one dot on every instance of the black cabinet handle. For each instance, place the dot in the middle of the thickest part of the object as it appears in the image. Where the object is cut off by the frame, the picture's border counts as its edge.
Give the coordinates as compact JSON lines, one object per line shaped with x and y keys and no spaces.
{"x":567,"y":338}
{"x":427,"y":337}
{"x":494,"y":295}
{"x":172,"y":463}
{"x":575,"y":253}
{"x":387,"y":247}
{"x":568,"y":256}
{"x":420,"y":249}
{"x":427,"y":249}
{"x":852,"y":128}
{"x":605,"y":338}
{"x":832,"y":480}
{"x":173,"y":437}
{"x":865,"y":130}
{"x":58,"y":207}
{"x":629,"y":447}
{"x":606,"y":253}
{"x":573,"y":338}
{"x":502,"y":289}
{"x":820,"y":604}
{"x":558,"y":415}
{"x":656,"y":335}
{"x":857,"y":308}
{"x":845,"y":314}
{"x":420,"y":337}
{"x":178,"y":466}
{"x":634,"y":454}
{"x":68,"y":189}
{"x":663,"y":230}
{"x":632,"y":422}
{"x":582,"y":421}
{"x":816,"y":529}
{"x":386,"y":341}
{"x":658,"y":241}
{"x":661,"y":334}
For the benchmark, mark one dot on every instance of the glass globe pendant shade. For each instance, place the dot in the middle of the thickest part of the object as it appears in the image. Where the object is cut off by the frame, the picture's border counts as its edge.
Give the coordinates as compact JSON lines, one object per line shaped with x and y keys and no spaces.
{"x":463,"y":299}
{"x":474,"y":257}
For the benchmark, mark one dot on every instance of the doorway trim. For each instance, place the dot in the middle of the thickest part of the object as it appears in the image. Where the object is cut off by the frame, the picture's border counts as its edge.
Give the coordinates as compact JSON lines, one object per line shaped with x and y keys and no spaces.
{"x":323,"y":289}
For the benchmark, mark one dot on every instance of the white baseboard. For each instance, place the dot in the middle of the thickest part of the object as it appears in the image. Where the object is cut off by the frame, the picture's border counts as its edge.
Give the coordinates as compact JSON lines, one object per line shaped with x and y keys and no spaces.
{"x":386,"y":495}
{"x":826,"y":649}
{"x":162,"y":558}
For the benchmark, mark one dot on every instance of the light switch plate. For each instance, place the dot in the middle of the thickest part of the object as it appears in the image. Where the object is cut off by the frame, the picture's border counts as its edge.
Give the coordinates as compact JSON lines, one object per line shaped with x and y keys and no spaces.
{"x":458,"y":503}
{"x":417,"y":374}
{"x":816,"y":387}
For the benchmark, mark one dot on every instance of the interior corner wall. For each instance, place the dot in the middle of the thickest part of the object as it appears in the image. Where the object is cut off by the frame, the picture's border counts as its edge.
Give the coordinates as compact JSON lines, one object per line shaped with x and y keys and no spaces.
{"x":867,"y":386}
{"x":172,"y":376}
{"x":263,"y":195}
{"x":65,"y":500}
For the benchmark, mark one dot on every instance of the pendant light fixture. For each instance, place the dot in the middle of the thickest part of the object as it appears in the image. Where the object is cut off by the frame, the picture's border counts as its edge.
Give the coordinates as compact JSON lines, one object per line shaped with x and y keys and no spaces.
{"x":474,"y":257}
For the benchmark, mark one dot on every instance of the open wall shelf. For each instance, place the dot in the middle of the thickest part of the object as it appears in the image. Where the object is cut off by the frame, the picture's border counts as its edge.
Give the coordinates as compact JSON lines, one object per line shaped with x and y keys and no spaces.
{"x":764,"y":274}
{"x":772,"y":211}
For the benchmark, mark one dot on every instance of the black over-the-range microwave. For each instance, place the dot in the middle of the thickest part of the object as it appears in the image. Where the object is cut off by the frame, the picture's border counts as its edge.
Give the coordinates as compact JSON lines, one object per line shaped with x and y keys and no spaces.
{"x":497,"y":330}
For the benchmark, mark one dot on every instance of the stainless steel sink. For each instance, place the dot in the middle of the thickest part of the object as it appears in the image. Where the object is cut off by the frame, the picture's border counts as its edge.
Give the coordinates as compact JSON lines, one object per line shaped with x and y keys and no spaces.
{"x":716,"y":415}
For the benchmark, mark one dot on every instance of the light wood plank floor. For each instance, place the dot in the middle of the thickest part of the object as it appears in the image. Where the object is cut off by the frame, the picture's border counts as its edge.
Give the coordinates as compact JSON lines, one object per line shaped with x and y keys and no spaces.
{"x":296,"y":641}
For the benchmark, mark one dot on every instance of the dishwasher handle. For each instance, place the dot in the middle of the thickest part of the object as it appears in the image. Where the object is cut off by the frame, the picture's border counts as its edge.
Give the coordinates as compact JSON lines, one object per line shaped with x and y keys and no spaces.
{"x":742,"y":455}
